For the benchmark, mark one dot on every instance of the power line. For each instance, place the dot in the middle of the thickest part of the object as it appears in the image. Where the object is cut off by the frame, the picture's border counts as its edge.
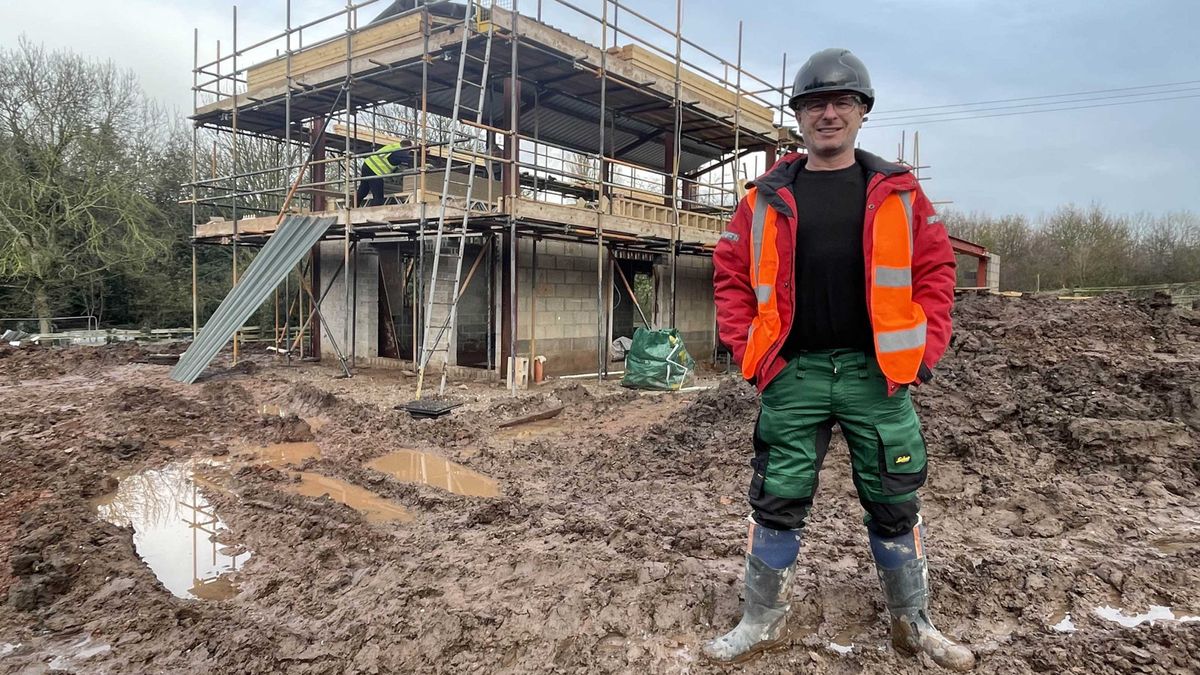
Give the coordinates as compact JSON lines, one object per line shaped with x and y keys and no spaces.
{"x":1047,"y":103}
{"x":892,"y":123}
{"x":1044,"y":96}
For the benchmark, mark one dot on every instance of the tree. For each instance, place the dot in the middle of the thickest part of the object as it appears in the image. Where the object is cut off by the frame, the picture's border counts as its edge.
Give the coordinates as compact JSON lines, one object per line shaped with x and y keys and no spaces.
{"x":76,"y":142}
{"x":1011,"y":237}
{"x":1092,"y":247}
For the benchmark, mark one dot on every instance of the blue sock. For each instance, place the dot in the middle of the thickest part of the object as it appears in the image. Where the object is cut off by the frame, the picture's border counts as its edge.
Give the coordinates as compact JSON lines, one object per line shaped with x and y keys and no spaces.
{"x":892,"y":552}
{"x":777,"y":548}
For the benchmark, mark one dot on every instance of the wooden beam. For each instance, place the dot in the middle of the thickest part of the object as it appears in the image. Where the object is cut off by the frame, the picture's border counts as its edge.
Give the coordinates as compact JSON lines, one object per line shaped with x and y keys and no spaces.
{"x":532,"y":417}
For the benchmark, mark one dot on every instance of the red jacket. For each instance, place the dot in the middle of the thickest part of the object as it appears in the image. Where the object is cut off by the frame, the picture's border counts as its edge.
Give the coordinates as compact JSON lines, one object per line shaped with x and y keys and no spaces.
{"x":933,"y":266}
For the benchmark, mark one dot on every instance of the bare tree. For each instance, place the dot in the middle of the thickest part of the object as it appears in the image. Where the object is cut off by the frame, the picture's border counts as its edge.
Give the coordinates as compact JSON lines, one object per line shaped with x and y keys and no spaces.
{"x":76,"y":137}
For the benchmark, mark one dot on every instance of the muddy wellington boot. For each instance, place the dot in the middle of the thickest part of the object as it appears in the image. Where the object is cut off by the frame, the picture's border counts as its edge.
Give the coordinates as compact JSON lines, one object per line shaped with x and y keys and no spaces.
{"x":904,"y":576}
{"x":770,"y":567}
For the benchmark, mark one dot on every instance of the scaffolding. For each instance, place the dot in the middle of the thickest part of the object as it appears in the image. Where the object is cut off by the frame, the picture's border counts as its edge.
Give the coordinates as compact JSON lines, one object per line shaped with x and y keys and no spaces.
{"x":633,"y":145}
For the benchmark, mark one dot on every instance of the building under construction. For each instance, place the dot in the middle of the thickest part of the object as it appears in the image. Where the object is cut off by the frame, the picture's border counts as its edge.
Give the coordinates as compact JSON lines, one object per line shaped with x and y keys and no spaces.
{"x":558,"y":193}
{"x":552,"y":193}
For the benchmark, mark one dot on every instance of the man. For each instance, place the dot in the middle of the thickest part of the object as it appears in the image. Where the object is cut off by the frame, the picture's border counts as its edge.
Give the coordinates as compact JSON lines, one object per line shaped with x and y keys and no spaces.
{"x":383,"y":162}
{"x":833,"y":285}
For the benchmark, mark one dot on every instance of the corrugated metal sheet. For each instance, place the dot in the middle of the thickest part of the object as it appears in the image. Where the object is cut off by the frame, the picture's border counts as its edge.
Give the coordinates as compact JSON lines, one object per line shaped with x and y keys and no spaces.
{"x":294,"y":237}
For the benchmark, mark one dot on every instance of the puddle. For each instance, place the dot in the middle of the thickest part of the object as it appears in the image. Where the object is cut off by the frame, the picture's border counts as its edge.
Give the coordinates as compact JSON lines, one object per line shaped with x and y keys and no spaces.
{"x":1062,"y":623}
{"x":529,"y":429}
{"x":174,"y":528}
{"x":844,"y":640}
{"x":419,"y":467}
{"x":1156,"y":613}
{"x":282,"y":454}
{"x":376,"y":509}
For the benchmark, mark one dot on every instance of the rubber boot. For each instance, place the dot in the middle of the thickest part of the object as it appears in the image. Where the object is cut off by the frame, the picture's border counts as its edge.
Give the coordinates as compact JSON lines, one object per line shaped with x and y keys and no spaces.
{"x":767,"y":597}
{"x":904,"y":576}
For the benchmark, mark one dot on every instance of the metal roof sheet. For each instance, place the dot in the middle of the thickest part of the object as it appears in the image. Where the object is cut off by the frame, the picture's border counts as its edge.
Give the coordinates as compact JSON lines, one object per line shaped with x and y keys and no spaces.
{"x":294,"y":237}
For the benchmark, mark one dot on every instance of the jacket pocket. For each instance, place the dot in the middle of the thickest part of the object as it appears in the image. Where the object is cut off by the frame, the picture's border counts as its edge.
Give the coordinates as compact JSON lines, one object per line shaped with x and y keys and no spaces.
{"x":903,"y":465}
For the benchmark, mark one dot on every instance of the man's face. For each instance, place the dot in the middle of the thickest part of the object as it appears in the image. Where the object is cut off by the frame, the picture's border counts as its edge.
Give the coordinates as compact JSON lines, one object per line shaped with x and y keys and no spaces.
{"x":830,"y":122}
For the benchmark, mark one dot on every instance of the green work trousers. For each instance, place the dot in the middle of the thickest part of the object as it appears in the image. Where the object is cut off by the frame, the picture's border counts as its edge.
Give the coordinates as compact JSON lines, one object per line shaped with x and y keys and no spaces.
{"x":798,"y":411}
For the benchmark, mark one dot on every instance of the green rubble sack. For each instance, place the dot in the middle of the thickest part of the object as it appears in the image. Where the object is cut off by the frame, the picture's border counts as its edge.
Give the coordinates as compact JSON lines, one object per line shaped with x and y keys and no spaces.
{"x":658,"y":360}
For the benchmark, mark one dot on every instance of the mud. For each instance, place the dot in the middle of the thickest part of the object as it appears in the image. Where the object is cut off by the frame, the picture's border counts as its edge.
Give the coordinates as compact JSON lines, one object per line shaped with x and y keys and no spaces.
{"x":1065,"y":451}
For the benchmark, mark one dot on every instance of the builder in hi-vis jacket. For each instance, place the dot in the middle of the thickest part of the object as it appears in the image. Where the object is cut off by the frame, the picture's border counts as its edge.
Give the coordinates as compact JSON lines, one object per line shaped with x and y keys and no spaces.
{"x":833,"y":285}
{"x":383,"y":162}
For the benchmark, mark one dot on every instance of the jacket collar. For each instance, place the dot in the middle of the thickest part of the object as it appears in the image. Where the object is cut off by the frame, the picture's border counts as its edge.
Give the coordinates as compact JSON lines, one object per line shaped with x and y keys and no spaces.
{"x":783,"y":173}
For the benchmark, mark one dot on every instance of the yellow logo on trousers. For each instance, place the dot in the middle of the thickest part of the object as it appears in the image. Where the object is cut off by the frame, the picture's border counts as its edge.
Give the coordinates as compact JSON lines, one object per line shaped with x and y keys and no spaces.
{"x":904,"y":459}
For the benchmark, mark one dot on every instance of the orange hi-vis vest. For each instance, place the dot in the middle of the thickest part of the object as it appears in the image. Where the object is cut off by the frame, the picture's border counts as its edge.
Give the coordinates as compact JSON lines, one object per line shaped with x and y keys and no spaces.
{"x":897,"y":322}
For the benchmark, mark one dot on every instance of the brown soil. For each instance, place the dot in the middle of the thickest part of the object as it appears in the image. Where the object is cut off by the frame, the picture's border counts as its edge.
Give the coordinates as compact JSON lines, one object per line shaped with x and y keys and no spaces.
{"x":1065,"y":442}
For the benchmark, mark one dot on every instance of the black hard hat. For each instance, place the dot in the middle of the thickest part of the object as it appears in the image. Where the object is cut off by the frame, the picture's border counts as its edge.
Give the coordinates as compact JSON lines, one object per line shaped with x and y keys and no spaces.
{"x":832,"y":70}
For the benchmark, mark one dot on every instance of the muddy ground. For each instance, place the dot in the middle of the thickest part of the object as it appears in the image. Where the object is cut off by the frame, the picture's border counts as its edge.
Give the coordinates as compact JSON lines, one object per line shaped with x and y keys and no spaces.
{"x":1065,"y":451}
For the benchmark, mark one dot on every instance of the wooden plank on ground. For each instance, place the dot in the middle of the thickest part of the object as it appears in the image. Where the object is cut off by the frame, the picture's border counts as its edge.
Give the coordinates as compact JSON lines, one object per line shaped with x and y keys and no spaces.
{"x":532,"y":417}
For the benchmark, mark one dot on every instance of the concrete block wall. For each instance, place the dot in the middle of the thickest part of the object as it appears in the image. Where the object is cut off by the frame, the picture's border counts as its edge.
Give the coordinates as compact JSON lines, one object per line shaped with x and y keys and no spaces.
{"x":472,"y":310}
{"x":393,"y":269}
{"x":473,"y":317}
{"x":334,"y":308}
{"x":443,"y":291}
{"x":695,"y":312}
{"x":566,"y":297}
{"x":565,"y":302}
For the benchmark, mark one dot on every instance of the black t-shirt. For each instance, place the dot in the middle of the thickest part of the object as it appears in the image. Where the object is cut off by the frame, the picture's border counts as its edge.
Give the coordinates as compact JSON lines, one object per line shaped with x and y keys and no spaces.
{"x":831,"y":303}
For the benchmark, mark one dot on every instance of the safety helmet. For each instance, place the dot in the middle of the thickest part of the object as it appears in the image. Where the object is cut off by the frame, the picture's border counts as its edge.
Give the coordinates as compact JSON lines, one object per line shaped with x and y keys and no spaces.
{"x":832,"y":70}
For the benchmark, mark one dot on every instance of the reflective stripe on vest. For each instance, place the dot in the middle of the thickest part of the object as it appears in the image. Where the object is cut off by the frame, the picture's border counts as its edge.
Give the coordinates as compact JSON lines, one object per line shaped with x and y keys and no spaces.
{"x":378,"y":163}
{"x":897,"y":321}
{"x":764,"y":269}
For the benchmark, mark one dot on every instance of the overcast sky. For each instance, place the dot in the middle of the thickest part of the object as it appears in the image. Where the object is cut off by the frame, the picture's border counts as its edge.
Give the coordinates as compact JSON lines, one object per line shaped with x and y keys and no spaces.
{"x":921,"y":53}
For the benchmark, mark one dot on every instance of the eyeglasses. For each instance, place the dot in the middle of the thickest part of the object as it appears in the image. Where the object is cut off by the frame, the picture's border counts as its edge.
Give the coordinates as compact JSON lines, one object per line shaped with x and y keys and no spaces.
{"x":841,"y":104}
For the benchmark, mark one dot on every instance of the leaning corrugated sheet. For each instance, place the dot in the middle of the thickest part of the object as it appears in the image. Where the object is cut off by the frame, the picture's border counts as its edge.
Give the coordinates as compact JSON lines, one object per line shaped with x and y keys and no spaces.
{"x":292,"y":239}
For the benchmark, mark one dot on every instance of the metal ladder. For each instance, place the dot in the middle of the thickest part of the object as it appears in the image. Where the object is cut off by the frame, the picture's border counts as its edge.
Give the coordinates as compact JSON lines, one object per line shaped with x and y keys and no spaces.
{"x":451,"y":239}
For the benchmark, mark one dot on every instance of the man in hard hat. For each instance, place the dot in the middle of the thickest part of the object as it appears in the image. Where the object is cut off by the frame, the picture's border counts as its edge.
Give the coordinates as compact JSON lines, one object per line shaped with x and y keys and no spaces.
{"x":834,"y":282}
{"x":381,"y":163}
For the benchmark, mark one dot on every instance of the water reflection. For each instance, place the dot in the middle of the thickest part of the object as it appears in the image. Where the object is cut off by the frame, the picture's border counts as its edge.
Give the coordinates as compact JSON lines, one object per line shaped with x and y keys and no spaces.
{"x":374,"y":508}
{"x":174,"y":530}
{"x":1156,"y":613}
{"x":419,"y":467}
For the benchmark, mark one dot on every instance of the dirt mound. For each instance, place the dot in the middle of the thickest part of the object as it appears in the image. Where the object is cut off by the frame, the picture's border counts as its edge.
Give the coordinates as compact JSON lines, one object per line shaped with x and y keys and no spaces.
{"x":717,"y":417}
{"x":303,"y":398}
{"x":571,"y":393}
{"x":522,"y":405}
{"x":1089,"y":385}
{"x":33,"y":361}
{"x":286,"y":429}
